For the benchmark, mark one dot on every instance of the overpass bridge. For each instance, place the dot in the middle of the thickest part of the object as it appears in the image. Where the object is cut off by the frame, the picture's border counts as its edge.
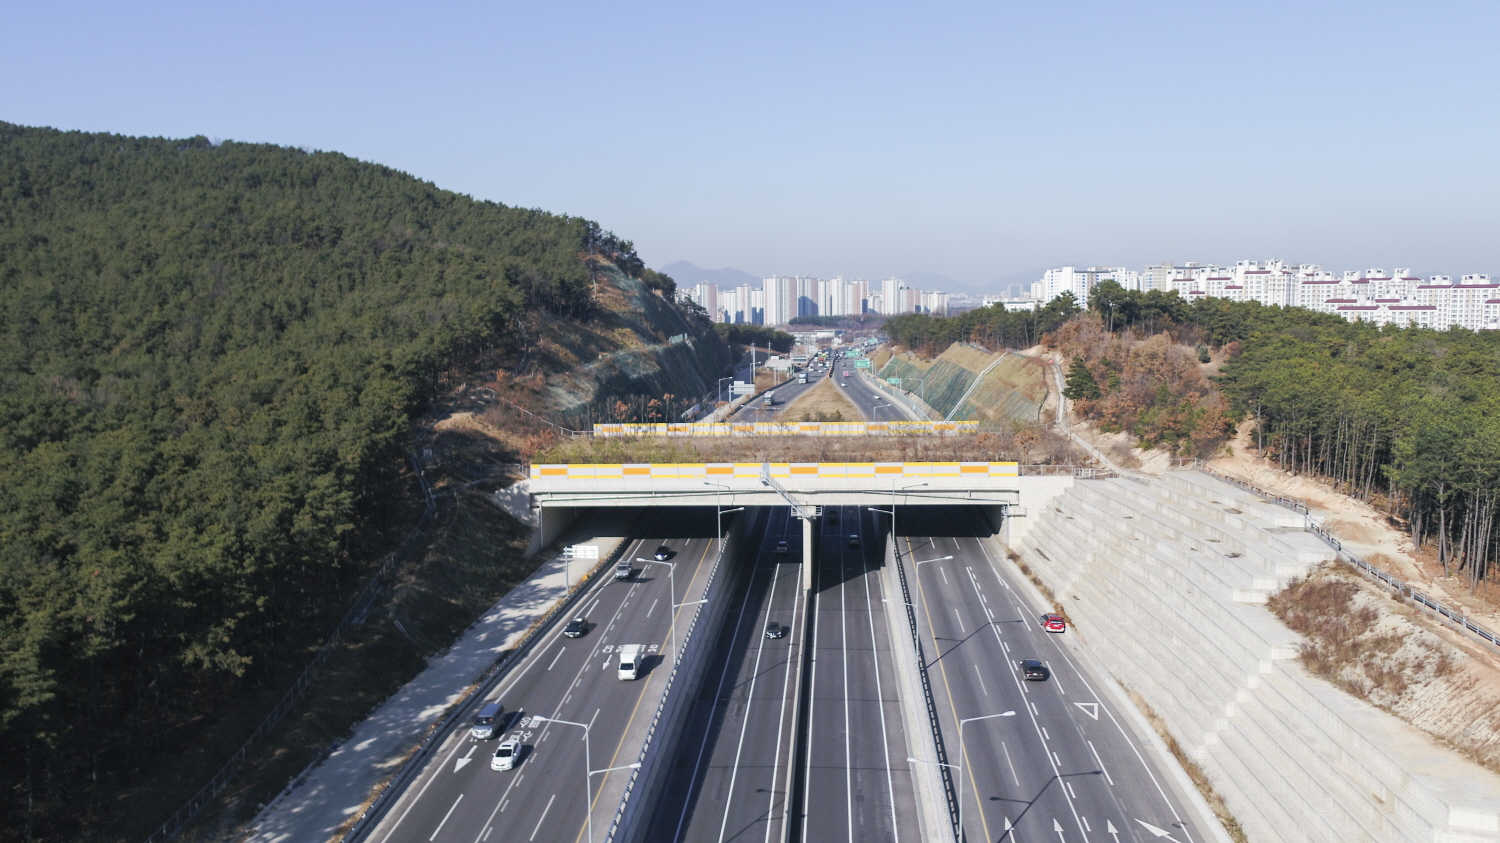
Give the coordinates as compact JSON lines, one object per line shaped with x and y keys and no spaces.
{"x":561,"y":491}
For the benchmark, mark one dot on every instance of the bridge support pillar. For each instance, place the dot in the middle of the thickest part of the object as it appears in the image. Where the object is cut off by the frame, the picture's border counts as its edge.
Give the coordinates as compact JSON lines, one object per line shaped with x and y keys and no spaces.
{"x":808,"y":562}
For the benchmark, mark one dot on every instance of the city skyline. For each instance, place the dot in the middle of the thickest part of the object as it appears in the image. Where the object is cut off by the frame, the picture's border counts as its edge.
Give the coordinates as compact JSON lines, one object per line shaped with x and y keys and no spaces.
{"x":976,"y":142}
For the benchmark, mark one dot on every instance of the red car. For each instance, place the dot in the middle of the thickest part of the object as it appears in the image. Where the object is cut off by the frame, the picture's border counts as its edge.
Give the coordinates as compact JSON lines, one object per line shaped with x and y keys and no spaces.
{"x":1054,"y":623}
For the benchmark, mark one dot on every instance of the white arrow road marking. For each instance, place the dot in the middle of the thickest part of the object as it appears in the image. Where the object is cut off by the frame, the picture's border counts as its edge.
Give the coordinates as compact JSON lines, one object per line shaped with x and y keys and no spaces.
{"x":1113,"y":832}
{"x":1009,"y":830}
{"x":459,"y":764}
{"x":1057,"y":827}
{"x":1158,"y":832}
{"x":1091,"y":709}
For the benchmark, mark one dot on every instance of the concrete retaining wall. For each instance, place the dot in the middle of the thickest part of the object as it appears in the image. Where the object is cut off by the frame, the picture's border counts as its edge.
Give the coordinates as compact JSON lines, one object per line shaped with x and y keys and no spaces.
{"x":633,"y":817}
{"x":1166,"y":579}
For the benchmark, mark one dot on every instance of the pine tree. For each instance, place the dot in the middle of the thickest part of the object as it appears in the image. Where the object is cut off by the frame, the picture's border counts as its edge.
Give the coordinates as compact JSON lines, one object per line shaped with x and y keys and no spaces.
{"x":1081,"y":382}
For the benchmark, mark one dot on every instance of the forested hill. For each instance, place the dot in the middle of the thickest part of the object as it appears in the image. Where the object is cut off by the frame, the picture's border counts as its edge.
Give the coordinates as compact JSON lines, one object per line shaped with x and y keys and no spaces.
{"x":208,"y":359}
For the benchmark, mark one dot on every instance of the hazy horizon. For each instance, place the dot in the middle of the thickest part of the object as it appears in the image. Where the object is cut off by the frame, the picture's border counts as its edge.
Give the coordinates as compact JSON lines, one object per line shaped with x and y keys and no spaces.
{"x":974,"y":140}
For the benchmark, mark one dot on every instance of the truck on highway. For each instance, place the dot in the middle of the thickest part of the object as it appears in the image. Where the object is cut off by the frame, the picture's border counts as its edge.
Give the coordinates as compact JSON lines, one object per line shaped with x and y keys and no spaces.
{"x":770,"y":402}
{"x":630,"y":660}
{"x":802,"y":377}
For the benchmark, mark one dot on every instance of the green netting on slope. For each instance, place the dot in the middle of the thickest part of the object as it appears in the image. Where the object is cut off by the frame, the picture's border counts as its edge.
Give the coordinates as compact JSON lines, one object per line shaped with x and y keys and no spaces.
{"x":1013,"y":391}
{"x":942,"y":381}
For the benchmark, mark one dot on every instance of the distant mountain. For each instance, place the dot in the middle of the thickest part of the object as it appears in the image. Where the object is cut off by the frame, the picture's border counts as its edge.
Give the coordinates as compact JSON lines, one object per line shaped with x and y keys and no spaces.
{"x":687,"y":274}
{"x":1017,"y":284}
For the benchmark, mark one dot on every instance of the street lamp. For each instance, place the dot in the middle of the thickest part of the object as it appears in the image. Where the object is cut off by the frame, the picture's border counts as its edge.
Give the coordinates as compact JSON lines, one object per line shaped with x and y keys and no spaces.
{"x":892,"y":513}
{"x":588,"y":763}
{"x":672,"y":597}
{"x":720,"y":386}
{"x":719,"y":513}
{"x":959,"y":767}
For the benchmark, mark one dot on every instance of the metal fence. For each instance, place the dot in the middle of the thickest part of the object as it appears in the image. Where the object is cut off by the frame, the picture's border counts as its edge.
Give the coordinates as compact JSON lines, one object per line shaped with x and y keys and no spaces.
{"x":356,"y":614}
{"x":1402,"y":589}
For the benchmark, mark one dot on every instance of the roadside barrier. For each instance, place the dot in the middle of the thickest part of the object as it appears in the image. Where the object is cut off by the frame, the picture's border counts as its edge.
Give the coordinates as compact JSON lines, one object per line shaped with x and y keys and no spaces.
{"x":666,"y":712}
{"x":439,"y":728}
{"x":944,"y":771}
{"x":1401,"y":588}
{"x":806,"y":428}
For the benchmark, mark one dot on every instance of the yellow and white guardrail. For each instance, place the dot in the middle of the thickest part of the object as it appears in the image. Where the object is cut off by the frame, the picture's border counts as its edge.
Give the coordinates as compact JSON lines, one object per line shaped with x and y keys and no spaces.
{"x":786,"y":428}
{"x":751,"y":470}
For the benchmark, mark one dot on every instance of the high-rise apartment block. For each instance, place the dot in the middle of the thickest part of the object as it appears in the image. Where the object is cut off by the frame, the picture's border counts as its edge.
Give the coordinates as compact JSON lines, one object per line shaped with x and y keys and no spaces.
{"x":782,"y":298}
{"x":1370,"y":295}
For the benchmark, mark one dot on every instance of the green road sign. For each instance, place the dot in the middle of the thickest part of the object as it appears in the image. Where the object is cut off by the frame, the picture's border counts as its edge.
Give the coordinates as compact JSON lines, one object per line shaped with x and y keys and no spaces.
{"x":862,"y":364}
{"x":893,"y":381}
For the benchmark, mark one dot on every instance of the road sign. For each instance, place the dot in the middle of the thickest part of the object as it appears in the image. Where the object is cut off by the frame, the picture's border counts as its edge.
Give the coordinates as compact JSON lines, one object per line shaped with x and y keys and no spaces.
{"x":581,"y":551}
{"x":862,"y":363}
{"x":742,"y":388}
{"x":893,"y":381}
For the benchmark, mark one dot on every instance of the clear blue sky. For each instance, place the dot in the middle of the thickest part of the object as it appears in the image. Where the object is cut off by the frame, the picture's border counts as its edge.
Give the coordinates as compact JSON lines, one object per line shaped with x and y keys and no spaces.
{"x":974,"y":140}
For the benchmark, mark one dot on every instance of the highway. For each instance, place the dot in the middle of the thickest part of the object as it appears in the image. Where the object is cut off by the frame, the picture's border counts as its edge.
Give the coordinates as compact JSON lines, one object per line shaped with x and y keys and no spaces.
{"x":874,"y":404}
{"x":858,"y":785}
{"x":457,"y":797}
{"x":1063,"y":767}
{"x":729,"y":782}
{"x":855,"y":782}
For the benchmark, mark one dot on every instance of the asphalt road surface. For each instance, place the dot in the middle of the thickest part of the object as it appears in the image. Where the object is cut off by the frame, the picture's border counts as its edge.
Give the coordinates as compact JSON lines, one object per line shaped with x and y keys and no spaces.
{"x":729,"y":782}
{"x":1063,"y":767}
{"x":857,"y":782}
{"x":458,"y":798}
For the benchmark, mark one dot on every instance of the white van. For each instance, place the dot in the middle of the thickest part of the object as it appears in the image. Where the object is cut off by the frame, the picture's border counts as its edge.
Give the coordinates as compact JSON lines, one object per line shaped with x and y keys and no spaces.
{"x":630,"y":660}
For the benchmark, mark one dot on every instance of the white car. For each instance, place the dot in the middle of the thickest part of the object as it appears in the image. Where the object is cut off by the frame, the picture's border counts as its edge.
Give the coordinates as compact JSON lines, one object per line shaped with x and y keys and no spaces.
{"x":505,"y":755}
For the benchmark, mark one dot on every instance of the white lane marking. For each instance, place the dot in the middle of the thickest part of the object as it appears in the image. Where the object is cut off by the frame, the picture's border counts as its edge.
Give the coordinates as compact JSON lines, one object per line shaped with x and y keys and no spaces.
{"x":848,"y":731}
{"x":1069,"y":786}
{"x":1091,"y":709}
{"x":512,"y":680}
{"x":464,"y":761}
{"x":487,"y":832}
{"x":1130,"y":742}
{"x":1015,"y":677}
{"x":450,"y":813}
{"x":734,"y":771}
{"x":503,"y":803}
{"x":590,"y":609}
{"x":1086,"y":826}
{"x":653,"y":607}
{"x":595,"y":717}
{"x":1006,"y":647}
{"x":1045,"y":736}
{"x":1008,"y":763}
{"x":556,"y":657}
{"x":719,"y":691}
{"x":961,"y":627}
{"x":542,"y":818}
{"x":456,"y":747}
{"x":981,"y":680}
{"x":1100,"y":762}
{"x":1057,"y":683}
{"x":945,"y":576}
{"x":786,"y":687}
{"x":885,"y":742}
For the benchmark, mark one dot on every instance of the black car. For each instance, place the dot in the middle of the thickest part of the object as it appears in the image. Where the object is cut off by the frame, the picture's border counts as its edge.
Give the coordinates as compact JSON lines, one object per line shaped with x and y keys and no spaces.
{"x":1033,"y":669}
{"x":781,"y":546}
{"x":576,"y":627}
{"x":662,"y":553}
{"x":774,"y":630}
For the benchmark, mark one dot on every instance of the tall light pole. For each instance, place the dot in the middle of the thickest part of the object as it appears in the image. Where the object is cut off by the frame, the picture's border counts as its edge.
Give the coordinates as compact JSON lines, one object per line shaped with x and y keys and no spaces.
{"x":719,"y":513}
{"x":672,"y":597}
{"x":720,"y":385}
{"x":588,"y":765}
{"x":892,"y":513}
{"x":959,"y":767}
